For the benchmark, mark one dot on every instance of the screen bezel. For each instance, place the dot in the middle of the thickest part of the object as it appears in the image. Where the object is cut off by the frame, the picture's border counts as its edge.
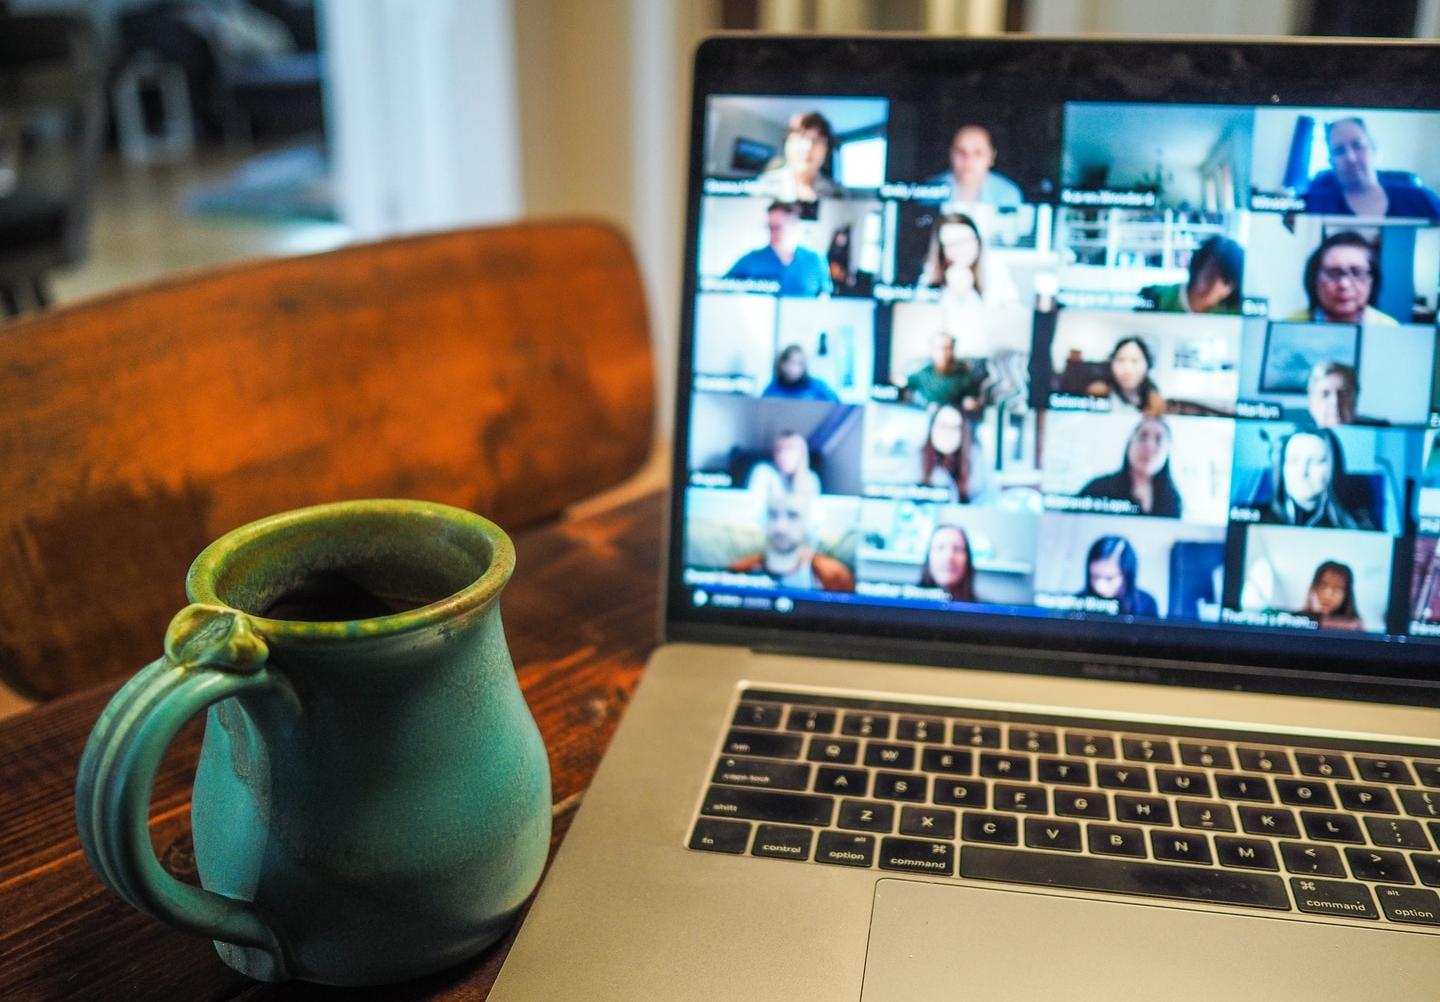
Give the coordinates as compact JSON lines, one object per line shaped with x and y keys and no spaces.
{"x":1301,"y":72}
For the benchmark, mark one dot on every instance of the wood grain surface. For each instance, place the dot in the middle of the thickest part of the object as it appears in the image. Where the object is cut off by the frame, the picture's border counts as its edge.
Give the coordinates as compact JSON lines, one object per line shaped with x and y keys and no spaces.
{"x":503,"y":370}
{"x":581,"y":615}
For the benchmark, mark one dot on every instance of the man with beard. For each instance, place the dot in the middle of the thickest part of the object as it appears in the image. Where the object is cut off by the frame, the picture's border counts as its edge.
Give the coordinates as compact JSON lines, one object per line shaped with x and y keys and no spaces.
{"x":789,"y":557}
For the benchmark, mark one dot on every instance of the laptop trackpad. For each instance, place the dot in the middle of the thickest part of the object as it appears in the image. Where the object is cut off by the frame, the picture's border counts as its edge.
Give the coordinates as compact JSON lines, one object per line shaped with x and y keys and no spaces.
{"x":945,"y":941}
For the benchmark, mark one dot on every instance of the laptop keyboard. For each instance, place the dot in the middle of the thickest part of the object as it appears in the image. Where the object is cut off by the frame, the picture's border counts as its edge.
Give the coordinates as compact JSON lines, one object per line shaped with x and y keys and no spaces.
{"x":1279,"y":823}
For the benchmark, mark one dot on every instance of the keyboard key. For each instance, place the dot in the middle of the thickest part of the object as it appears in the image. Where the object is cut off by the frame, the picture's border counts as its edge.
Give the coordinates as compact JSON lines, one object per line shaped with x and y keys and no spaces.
{"x":1207,"y":814}
{"x":1122,"y":777}
{"x":1089,"y":745}
{"x":850,"y":782}
{"x":845,"y":849}
{"x":1303,"y":793}
{"x":1113,"y":840}
{"x":1383,"y":770}
{"x":739,"y":742}
{"x":1180,"y":847}
{"x":1369,"y":799}
{"x":757,"y":715}
{"x":920,"y":729}
{"x":866,"y":725}
{"x":1409,"y":904}
{"x":1234,"y":786}
{"x":917,"y":856}
{"x":1065,"y":771}
{"x":1434,"y":827}
{"x":1082,"y":804}
{"x":1015,"y":767}
{"x":866,"y":816}
{"x":1421,"y":803}
{"x":1427,"y":868}
{"x":1323,"y":765}
{"x":1324,"y":826}
{"x":969,"y":794}
{"x":765,"y":805}
{"x":781,"y":842}
{"x":1245,"y":853}
{"x":900,"y":786}
{"x":1185,"y":784}
{"x":1379,"y":864}
{"x":838,"y":751}
{"x":1148,"y":810}
{"x":999,"y":829}
{"x":1269,"y":821}
{"x":1025,"y":799}
{"x":1321,"y":860}
{"x":1271,"y":760}
{"x":1429,"y":773}
{"x":1206,"y":756}
{"x":1032,"y":739}
{"x":958,"y":763}
{"x":1397,"y":833}
{"x":975,"y":735}
{"x":1333,"y":897}
{"x":810,"y":721}
{"x":1043,"y":833}
{"x":927,"y":822}
{"x":762,"y":772}
{"x":1187,"y":883}
{"x":715,"y":835}
{"x":889,"y":756}
{"x":1156,"y":750}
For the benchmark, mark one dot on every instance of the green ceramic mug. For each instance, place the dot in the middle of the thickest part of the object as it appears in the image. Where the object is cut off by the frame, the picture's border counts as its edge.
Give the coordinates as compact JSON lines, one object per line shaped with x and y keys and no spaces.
{"x":373,"y":798}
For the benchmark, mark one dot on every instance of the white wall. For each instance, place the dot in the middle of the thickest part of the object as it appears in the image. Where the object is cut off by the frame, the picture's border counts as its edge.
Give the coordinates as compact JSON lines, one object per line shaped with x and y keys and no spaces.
{"x":1162,"y":17}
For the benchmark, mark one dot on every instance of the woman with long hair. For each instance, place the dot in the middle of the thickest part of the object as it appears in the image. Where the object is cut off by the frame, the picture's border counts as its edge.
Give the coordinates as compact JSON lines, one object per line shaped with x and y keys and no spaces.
{"x":1127,"y":380}
{"x":1144,"y":476}
{"x":1308,"y":473}
{"x":946,"y":458}
{"x":1331,"y":598}
{"x":1111,"y":568}
{"x":948,"y":564}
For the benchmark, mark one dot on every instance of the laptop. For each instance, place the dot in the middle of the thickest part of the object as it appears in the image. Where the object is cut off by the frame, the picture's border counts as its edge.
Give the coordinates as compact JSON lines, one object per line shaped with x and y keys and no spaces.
{"x":1052,"y":606}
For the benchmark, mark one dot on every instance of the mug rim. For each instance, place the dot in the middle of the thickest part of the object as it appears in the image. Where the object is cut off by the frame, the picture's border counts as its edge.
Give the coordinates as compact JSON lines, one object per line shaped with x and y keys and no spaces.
{"x":205,"y":571}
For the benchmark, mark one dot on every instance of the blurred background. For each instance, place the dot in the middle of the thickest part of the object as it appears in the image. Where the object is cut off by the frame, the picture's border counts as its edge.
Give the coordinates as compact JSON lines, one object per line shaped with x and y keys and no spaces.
{"x":139,"y":138}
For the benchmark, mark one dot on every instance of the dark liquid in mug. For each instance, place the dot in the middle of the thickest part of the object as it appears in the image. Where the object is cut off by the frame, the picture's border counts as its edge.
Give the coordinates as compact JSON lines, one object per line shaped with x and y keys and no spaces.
{"x":332,"y":596}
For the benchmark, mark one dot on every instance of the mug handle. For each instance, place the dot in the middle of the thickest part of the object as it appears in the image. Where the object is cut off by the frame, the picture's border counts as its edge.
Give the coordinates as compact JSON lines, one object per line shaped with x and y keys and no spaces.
{"x":211,"y":654}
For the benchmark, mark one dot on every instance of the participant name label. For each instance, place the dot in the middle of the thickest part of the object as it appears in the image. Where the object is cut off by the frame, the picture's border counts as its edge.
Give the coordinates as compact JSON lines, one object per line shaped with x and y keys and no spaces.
{"x":1260,"y":410}
{"x":1276,"y":203}
{"x":1251,"y":617}
{"x":1102,"y":506}
{"x":1124,"y":199}
{"x":1077,"y":603}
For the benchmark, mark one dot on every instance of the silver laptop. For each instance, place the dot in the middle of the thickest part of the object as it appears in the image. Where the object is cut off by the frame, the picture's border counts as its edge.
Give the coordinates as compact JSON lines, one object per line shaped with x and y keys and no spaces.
{"x":1053,"y":608}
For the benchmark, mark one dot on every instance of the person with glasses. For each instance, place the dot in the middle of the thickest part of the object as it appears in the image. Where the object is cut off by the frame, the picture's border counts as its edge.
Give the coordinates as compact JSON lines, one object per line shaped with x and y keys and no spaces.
{"x":1355,"y":187}
{"x":1342,"y":281}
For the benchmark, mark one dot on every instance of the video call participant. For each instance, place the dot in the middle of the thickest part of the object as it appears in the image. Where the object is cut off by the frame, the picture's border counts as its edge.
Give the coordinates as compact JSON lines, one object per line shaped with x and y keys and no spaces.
{"x":972,"y":177}
{"x":1144,"y":476}
{"x":1331,"y":394}
{"x":789,"y":470}
{"x":800,"y":173}
{"x":788,"y":556}
{"x":948,"y":564}
{"x":1111,"y":567}
{"x":947,"y":459}
{"x":799,"y":270}
{"x":945,"y":380}
{"x":1127,"y":379}
{"x":1342,"y":281}
{"x":792,"y":379}
{"x":1354,"y":186}
{"x":955,"y":263}
{"x":1214,"y":283}
{"x":1308,"y":466}
{"x":1331,"y":598}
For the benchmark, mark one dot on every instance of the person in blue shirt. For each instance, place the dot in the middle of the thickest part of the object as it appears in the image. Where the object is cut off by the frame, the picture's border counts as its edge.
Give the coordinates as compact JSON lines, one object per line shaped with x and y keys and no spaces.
{"x":972,"y":178}
{"x":1354,"y":187}
{"x":799,"y":270}
{"x":793,"y":381}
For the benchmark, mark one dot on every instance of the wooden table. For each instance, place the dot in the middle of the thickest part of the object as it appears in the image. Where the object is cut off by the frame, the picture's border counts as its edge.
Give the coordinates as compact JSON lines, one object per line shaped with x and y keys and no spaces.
{"x":581,"y":615}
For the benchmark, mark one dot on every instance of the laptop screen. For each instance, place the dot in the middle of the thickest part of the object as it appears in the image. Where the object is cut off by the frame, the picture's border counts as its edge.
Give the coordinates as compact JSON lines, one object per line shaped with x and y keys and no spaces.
{"x":1150,"y":373}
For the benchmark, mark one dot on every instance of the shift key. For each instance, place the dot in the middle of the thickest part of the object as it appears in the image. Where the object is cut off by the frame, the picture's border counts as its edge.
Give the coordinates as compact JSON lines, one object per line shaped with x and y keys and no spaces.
{"x":763,"y":805}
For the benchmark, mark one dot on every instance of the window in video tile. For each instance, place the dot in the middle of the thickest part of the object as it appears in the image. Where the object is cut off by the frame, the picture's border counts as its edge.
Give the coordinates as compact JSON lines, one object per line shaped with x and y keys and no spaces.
{"x":769,"y":445}
{"x":1138,"y":464}
{"x":789,"y":541}
{"x":1148,"y":363}
{"x":1129,"y":567}
{"x":1344,"y":477}
{"x":1313,"y":579}
{"x":771,"y":247}
{"x":796,"y":149}
{"x":1345,"y":271}
{"x":1347,"y":162}
{"x":946,"y":553}
{"x":1336,"y":374}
